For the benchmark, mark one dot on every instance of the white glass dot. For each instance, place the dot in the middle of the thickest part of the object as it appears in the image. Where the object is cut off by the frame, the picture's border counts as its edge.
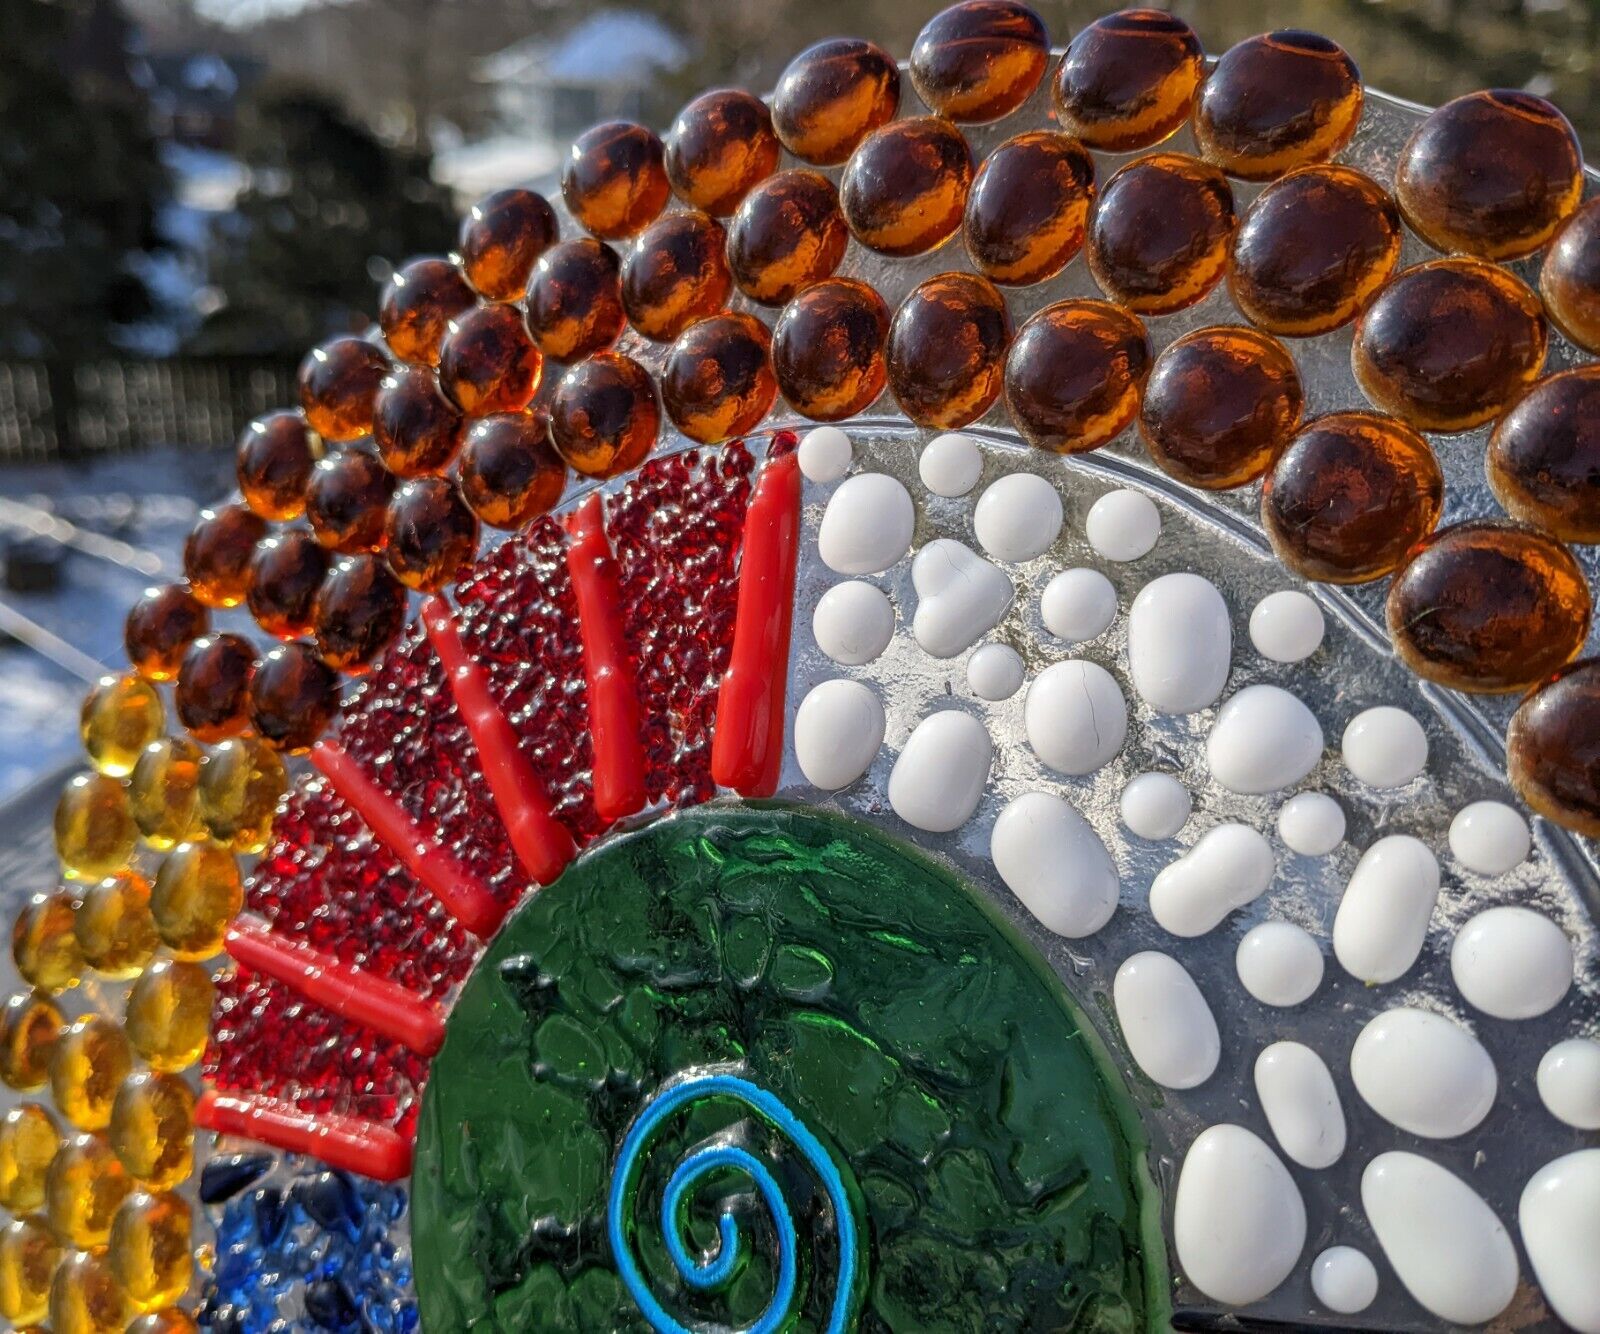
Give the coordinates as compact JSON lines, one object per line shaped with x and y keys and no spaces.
{"x":1279,"y":963}
{"x":1155,"y":805}
{"x":1123,"y":525}
{"x":1569,"y":1082}
{"x":1286,"y":626}
{"x":995,"y":672}
{"x":1490,"y":838}
{"x":853,"y":623}
{"x":1078,"y":604}
{"x":1344,"y":1279}
{"x":1385,"y":747}
{"x":1311,"y":823}
{"x":825,"y":454}
{"x":950,"y":464}
{"x":1017,"y":517}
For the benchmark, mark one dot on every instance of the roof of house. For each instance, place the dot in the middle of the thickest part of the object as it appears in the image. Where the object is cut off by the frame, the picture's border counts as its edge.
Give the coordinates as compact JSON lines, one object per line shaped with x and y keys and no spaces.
{"x":612,"y":46}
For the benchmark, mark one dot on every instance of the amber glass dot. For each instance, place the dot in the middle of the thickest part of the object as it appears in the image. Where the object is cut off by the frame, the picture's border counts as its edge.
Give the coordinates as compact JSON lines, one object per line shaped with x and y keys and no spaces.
{"x":216,"y":556}
{"x":1128,"y":80}
{"x":213,"y":687}
{"x":359,"y":612}
{"x":273,"y":461}
{"x":160,"y":627}
{"x":1313,"y":250}
{"x":29,"y":1025}
{"x":721,"y":144}
{"x":980,"y":60}
{"x":417,"y":305}
{"x":510,"y":472}
{"x":85,"y":1297}
{"x":293,"y":697}
{"x":947,"y":349}
{"x":346,"y":501}
{"x":169,"y":1014}
{"x":1220,"y":405}
{"x":152,"y":1128}
{"x":29,"y":1253}
{"x":1492,"y":174}
{"x":114,"y":927}
{"x":827,"y":349}
{"x":121,"y":715}
{"x":241,"y":783}
{"x":1352,"y":494}
{"x":1553,"y":749}
{"x":787,"y":234}
{"x":1074,"y":375}
{"x":338,"y":386}
{"x":95,"y":832}
{"x":82,"y":1189}
{"x":1544,"y":456}
{"x":718,"y":382}
{"x":149,"y":1249}
{"x":197,"y":892}
{"x":675,"y":274}
{"x":432,"y":534}
{"x":416,"y":428}
{"x":1570,"y":278}
{"x":906,"y":186}
{"x":28,"y":1141}
{"x":88,"y":1063}
{"x":1029,"y":206}
{"x":285,"y":573}
{"x":501,"y":240}
{"x":490,"y":363}
{"x":169,"y":1320}
{"x":575,"y":300}
{"x":615,"y":179}
{"x":832,"y":96}
{"x":162,"y":792}
{"x":604,"y":418}
{"x":1449,"y":344}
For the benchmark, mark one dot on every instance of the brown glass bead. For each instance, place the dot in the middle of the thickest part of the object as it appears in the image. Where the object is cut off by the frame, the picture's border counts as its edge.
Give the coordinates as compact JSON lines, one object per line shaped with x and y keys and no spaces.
{"x":1159,"y":238}
{"x":827,"y":349}
{"x":906,"y":186}
{"x":615,"y":179}
{"x":501,"y":240}
{"x":832,"y":96}
{"x":216,"y":556}
{"x":1544,"y":456}
{"x":29,"y":1026}
{"x":339,"y":384}
{"x":979,"y":60}
{"x":274,"y":460}
{"x":416,"y":428}
{"x":213,"y":687}
{"x":1352,"y":494}
{"x":160,"y":627}
{"x":417,"y":305}
{"x":1553,"y":749}
{"x":1075,"y":373}
{"x":359,"y":611}
{"x":1028,"y":208}
{"x":604,"y":418}
{"x":675,"y":274}
{"x":1277,"y":101}
{"x":510,"y":473}
{"x":1313,"y":250}
{"x":1570,"y":278}
{"x":44,"y":943}
{"x":721,"y":144}
{"x":1492,"y":174}
{"x":1448,"y":344}
{"x":575,"y":300}
{"x":1220,"y":405}
{"x":489,"y":363}
{"x":1128,"y":80}
{"x":114,"y":928}
{"x":346,"y":500}
{"x":787,"y":234}
{"x":285,"y":574}
{"x":432,"y":534}
{"x":293,"y":696}
{"x":718,"y":382}
{"x":946,"y":352}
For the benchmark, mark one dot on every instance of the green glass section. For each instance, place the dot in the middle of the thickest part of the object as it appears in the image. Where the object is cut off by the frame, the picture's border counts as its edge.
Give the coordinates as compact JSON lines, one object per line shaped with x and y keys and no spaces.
{"x":994,"y":1164}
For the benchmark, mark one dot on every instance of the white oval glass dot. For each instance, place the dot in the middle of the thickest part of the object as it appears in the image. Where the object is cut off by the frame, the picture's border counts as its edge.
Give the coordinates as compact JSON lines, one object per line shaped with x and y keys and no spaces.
{"x":1311,"y":823}
{"x":1264,"y":739}
{"x":1559,"y":1216}
{"x":939,"y":777}
{"x":1180,"y":643}
{"x":1078,"y":605}
{"x":1423,"y":1073}
{"x":867,"y":525}
{"x":825,"y":454}
{"x":995,"y":672}
{"x":1301,"y":1104}
{"x":1123,"y":525}
{"x":1279,"y":963}
{"x":1385,"y":747}
{"x":1155,"y":805}
{"x":1569,"y":1082}
{"x":1512,"y":963}
{"x":1490,"y":838}
{"x":1075,"y":716}
{"x":853,"y":623}
{"x":1017,"y":517}
{"x":838,"y":730}
{"x":1170,"y":1030}
{"x":950,"y":464}
{"x":1287,"y":626}
{"x":1230,"y":866}
{"x":1053,"y":861}
{"x":1344,"y":1279}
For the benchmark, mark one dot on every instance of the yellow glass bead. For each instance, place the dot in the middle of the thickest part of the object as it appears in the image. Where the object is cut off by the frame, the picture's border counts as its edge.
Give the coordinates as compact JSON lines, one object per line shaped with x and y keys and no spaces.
{"x":28,"y":1256}
{"x":95,"y":832}
{"x":121,"y":716}
{"x":90,"y":1060}
{"x":197,"y":893}
{"x":28,"y":1141}
{"x":163,"y":793}
{"x":29,"y":1024}
{"x":85,"y":1297}
{"x":241,"y":783}
{"x":114,"y":927}
{"x":82,"y":1190}
{"x":169,"y":1013}
{"x":169,"y":1320}
{"x":149,"y":1249}
{"x":152,"y":1128}
{"x":44,"y":944}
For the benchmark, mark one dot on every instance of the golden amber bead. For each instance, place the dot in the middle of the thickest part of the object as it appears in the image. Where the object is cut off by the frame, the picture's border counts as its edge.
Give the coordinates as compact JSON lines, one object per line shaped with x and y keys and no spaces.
{"x":827,"y":349}
{"x":1220,"y":405}
{"x":432,"y":535}
{"x":416,"y":428}
{"x":114,"y":927}
{"x":1570,"y":278}
{"x":1544,"y":456}
{"x":1352,"y":494}
{"x":1277,"y":101}
{"x":575,"y":300}
{"x":95,"y":832}
{"x":29,"y":1026}
{"x":1160,"y":234}
{"x":43,"y":943}
{"x":163,"y":791}
{"x":339,"y":384}
{"x":241,"y":784}
{"x":293,"y":697}
{"x":197,"y":893}
{"x":88,"y":1063}
{"x":615,"y":179}
{"x":168,"y":1320}
{"x":1128,"y":80}
{"x":216,"y":556}
{"x":169,"y":1014}
{"x":947,"y":350}
{"x":717,"y":382}
{"x":360,"y":610}
{"x":152,"y":1128}
{"x":490,"y":363}
{"x":273,"y":462}
{"x":510,"y":472}
{"x":1553,"y":748}
{"x":832,"y":96}
{"x":285,"y":573}
{"x":979,"y":60}
{"x":346,"y":501}
{"x":1074,"y":375}
{"x":29,"y":1138}
{"x":29,"y":1253}
{"x":213,"y":688}
{"x":787,"y":234}
{"x":1029,"y":206}
{"x":149,"y":1249}
{"x":604,"y":418}
{"x":1492,"y":174}
{"x":501,"y":240}
{"x":721,"y":144}
{"x":1313,"y":250}
{"x":1449,"y":344}
{"x":417,"y":305}
{"x":906,"y":186}
{"x":1489,"y":606}
{"x":82,"y":1189}
{"x":675,"y":274}
{"x":160,"y":627}
{"x":85,"y":1297}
